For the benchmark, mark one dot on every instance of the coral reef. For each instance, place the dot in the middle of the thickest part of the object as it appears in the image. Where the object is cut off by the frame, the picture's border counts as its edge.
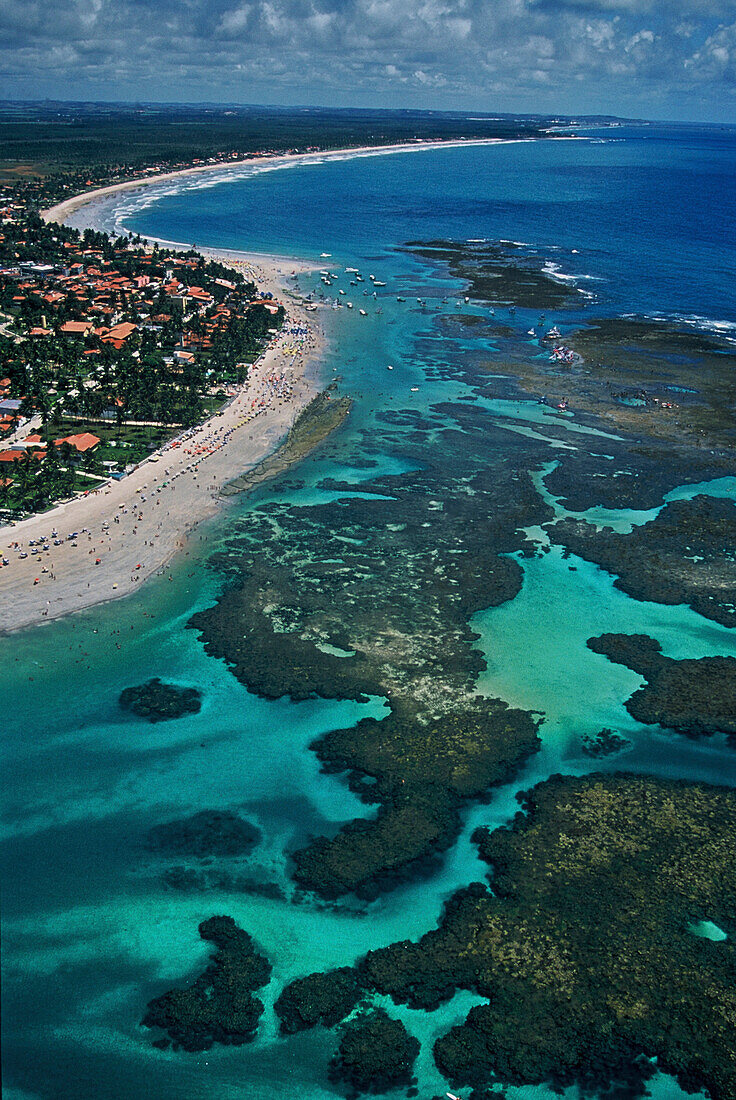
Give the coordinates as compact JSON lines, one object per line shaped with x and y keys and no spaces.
{"x":596,"y":888}
{"x":371,"y":596}
{"x":376,"y":1053}
{"x":499,"y":272}
{"x":207,"y":833}
{"x":696,"y":697}
{"x":604,"y":743}
{"x":219,"y":1006}
{"x":158,"y":701}
{"x":318,"y":999}
{"x":684,"y":555}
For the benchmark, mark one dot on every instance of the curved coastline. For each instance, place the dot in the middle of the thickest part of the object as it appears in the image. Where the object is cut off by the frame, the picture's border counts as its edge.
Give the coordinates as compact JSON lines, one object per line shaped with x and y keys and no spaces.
{"x":127,"y":557}
{"x":67,"y":207}
{"x":149,"y":515}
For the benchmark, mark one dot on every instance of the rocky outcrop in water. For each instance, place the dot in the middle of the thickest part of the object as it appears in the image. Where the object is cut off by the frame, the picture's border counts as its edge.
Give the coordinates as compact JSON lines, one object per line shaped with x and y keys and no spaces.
{"x":159,"y":702}
{"x":694,"y":697}
{"x":219,"y":1006}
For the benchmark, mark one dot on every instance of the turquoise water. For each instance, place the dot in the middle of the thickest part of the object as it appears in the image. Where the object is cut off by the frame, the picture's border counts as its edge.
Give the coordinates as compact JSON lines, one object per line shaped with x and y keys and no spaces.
{"x":93,"y":928}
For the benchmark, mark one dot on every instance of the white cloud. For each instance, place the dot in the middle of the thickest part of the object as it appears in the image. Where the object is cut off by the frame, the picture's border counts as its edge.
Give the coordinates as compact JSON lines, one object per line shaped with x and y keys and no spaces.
{"x":613,"y":51}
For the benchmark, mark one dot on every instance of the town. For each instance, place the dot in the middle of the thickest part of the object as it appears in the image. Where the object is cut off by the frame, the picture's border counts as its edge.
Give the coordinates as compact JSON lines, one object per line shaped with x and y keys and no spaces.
{"x":107,"y":349}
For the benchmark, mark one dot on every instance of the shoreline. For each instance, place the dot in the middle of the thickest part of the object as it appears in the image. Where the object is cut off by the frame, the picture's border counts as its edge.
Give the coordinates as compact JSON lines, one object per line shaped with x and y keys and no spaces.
{"x":129,"y":530}
{"x":124,"y":536}
{"x":67,"y":207}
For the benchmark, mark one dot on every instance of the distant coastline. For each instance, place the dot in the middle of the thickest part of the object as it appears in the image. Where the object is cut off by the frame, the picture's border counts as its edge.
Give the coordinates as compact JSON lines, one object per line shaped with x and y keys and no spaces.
{"x":64,"y":209}
{"x":77,"y":583}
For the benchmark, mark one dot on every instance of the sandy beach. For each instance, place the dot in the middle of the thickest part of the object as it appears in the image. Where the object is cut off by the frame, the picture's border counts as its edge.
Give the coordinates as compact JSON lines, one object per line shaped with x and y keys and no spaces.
{"x":127,"y":530}
{"x":65,"y":209}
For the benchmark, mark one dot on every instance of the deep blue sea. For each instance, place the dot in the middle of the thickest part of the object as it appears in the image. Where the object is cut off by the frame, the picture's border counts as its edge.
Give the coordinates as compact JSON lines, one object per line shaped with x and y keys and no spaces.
{"x":640,"y":221}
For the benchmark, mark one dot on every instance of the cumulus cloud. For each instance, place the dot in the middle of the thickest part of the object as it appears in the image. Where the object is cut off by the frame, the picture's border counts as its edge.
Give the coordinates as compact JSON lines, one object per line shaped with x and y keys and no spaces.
{"x":615,"y":54}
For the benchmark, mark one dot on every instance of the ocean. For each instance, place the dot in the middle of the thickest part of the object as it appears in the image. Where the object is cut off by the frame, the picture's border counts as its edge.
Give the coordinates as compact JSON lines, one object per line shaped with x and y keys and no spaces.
{"x":636,"y":222}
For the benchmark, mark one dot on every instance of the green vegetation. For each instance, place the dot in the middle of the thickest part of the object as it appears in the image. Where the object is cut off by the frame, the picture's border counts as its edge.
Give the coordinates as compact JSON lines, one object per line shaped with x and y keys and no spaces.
{"x":93,"y":143}
{"x":102,"y":337}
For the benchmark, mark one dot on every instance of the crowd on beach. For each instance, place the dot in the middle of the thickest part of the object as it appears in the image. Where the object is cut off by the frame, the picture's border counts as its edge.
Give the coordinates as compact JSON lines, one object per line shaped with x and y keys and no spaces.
{"x":150,"y":509}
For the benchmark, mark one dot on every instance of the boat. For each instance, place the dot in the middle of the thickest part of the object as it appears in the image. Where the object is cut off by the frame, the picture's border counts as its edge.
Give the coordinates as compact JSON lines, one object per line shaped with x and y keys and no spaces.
{"x":325,"y":255}
{"x":415,"y":389}
{"x":401,"y":299}
{"x":362,"y":313}
{"x":341,"y":292}
{"x":531,"y":332}
{"x":349,"y":305}
{"x":553,"y":334}
{"x":352,"y":270}
{"x":389,"y":368}
{"x":377,"y":283}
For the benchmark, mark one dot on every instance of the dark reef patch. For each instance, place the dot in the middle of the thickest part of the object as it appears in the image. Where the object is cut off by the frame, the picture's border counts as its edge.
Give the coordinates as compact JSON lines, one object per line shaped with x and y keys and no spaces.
{"x":682,"y":383}
{"x":685,"y":555}
{"x":696,"y":697}
{"x":421,"y":771}
{"x":219,"y":1006}
{"x":500,"y":272}
{"x":412,"y":560}
{"x":207,"y":833}
{"x":604,"y":743}
{"x":376,"y":1053}
{"x":195,"y":880}
{"x":318,"y":999}
{"x":630,"y":474}
{"x":596,"y":886}
{"x":159,"y":702}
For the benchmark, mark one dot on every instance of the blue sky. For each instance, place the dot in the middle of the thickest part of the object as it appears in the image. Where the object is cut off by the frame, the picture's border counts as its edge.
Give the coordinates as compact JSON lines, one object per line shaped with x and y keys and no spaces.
{"x":642,"y":58}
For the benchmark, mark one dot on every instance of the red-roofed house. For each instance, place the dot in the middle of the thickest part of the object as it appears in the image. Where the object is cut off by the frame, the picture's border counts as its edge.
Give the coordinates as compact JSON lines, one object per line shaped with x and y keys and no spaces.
{"x":119,"y":332}
{"x":76,"y":328}
{"x":83,"y":442}
{"x":13,"y":455}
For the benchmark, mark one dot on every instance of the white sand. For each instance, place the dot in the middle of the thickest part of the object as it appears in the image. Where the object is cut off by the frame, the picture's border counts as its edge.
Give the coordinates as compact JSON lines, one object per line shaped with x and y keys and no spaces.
{"x":145,"y":522}
{"x":63,"y":210}
{"x":140,"y":536}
